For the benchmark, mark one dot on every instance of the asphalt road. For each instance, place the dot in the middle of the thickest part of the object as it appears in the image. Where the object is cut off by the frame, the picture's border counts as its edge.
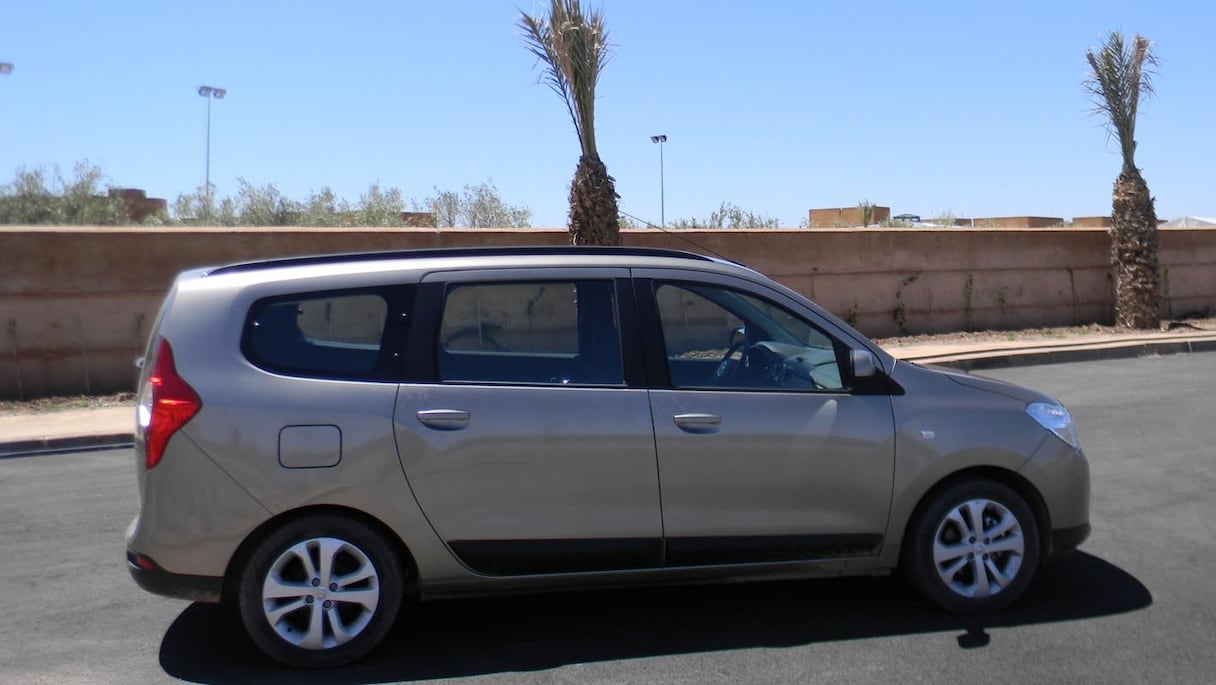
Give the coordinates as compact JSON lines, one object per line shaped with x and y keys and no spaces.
{"x":1138,"y":604}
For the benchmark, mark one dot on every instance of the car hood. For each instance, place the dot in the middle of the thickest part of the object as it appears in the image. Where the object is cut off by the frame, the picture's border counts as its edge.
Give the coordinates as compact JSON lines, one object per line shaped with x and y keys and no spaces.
{"x":992,"y":385}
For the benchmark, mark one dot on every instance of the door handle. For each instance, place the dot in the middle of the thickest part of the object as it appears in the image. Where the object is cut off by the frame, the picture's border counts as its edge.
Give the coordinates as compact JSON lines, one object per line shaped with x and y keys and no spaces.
{"x":444,"y":419}
{"x":697,"y":423}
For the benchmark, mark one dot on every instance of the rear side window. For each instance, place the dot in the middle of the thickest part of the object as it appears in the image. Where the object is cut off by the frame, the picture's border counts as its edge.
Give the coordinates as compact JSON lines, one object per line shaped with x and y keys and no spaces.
{"x":325,"y":335}
{"x":544,"y":333}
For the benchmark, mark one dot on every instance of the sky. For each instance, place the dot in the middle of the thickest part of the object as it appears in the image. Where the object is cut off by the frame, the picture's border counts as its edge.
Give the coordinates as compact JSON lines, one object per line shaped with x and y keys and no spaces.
{"x":972,"y":109}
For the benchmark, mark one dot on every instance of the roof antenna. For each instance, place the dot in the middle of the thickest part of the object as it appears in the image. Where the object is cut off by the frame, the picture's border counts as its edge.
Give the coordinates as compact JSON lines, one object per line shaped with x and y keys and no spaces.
{"x":686,"y":239}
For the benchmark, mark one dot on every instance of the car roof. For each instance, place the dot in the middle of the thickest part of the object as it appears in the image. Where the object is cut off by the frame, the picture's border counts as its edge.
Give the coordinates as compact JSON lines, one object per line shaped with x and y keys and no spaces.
{"x":563,"y":255}
{"x":363,"y":269}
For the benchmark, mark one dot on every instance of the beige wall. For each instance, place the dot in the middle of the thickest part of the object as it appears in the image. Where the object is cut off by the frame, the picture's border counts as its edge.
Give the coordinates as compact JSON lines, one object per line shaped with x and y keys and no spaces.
{"x":76,"y":304}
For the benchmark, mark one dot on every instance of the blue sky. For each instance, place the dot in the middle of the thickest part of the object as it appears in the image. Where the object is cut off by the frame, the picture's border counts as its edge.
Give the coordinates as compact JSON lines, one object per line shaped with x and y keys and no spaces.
{"x":972,"y":108}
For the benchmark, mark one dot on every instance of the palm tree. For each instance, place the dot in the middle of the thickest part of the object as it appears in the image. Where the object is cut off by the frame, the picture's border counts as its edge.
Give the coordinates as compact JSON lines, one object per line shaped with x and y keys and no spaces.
{"x":574,"y":47}
{"x":1121,"y":74}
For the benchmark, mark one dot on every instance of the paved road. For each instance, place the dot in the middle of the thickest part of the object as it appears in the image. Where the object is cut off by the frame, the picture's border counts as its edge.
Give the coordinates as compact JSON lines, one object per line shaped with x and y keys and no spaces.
{"x":1137,"y":605}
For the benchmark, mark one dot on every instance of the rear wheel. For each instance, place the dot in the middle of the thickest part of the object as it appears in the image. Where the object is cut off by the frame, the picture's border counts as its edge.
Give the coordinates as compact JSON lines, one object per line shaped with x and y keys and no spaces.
{"x":973,"y":548}
{"x":320,"y":592}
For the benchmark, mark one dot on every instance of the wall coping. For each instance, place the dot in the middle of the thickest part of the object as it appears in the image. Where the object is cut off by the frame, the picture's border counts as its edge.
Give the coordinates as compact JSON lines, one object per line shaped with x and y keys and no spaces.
{"x":186,"y":230}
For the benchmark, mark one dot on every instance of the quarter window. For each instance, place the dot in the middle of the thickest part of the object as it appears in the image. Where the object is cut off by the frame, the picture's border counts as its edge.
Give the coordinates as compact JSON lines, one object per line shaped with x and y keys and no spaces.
{"x":534,"y":333}
{"x":327,"y":335}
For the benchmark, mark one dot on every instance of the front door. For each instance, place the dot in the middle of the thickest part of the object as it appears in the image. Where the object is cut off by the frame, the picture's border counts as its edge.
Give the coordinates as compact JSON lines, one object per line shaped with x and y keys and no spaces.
{"x":764,"y":453}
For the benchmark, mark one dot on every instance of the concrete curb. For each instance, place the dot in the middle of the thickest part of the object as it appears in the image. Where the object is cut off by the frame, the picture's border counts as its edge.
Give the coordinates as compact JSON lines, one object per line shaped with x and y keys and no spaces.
{"x":974,"y":361}
{"x":44,"y":446}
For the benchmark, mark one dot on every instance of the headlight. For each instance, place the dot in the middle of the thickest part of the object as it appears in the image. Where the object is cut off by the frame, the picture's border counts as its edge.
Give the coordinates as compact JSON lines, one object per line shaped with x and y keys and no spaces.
{"x":1055,"y":418}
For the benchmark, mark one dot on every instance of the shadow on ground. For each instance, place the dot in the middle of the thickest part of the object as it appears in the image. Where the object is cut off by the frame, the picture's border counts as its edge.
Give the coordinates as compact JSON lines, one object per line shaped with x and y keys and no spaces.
{"x":451,"y":639}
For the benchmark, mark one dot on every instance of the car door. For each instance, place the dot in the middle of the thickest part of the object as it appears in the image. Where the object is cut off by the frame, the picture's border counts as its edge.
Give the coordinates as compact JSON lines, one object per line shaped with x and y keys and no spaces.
{"x":525,"y":433}
{"x":765,"y":452}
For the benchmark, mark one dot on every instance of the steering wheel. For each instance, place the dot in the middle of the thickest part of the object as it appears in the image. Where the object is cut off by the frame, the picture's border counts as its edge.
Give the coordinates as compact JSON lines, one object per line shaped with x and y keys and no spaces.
{"x":767,"y":367}
{"x":728,"y":368}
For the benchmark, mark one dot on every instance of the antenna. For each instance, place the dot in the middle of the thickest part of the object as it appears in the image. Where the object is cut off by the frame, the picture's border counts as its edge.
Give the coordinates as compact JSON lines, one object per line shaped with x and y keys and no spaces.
{"x":686,"y":239}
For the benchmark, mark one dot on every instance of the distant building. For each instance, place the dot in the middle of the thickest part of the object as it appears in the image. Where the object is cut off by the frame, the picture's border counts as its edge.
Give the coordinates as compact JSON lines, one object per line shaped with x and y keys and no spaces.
{"x":846,"y":216}
{"x":138,"y":205}
{"x":1091,"y":221}
{"x":1190,"y":222}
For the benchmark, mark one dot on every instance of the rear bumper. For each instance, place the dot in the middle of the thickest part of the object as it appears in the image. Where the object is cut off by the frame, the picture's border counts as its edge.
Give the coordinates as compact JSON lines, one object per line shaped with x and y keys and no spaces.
{"x":151,"y":577}
{"x":1064,"y":540}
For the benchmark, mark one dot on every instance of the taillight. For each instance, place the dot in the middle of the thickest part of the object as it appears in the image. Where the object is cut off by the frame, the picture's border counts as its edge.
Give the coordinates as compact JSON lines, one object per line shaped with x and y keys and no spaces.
{"x":166,"y":403}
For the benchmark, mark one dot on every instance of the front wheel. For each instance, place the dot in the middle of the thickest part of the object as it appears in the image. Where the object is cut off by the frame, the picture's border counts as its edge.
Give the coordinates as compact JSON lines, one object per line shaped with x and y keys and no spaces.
{"x":320,"y":592}
{"x":973,"y":548}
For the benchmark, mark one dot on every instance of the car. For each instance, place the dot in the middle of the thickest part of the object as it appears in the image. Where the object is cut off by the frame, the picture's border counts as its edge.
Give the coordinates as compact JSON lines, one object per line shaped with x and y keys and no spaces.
{"x":321,"y":439}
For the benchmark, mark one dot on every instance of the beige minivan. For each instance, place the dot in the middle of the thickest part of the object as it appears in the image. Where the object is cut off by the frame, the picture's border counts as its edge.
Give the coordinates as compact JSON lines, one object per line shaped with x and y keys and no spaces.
{"x":321,"y":438}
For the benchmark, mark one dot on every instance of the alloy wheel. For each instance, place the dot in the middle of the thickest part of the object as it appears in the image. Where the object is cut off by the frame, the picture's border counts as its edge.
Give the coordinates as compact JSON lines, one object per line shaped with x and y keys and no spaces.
{"x":320,"y":593}
{"x":978,"y":548}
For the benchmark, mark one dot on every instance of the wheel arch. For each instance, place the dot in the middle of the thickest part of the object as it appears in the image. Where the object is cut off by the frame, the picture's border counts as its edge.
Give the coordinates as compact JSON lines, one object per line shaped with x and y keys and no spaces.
{"x":232,"y":571}
{"x":1020,"y":485}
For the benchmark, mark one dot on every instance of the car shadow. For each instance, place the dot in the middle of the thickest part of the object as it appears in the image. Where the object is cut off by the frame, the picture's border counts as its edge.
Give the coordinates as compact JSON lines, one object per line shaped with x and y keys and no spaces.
{"x":461,"y":638}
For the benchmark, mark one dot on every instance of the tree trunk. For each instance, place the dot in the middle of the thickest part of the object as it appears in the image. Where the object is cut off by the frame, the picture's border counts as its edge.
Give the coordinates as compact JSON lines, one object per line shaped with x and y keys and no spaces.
{"x":594,"y":217}
{"x":1133,"y":236}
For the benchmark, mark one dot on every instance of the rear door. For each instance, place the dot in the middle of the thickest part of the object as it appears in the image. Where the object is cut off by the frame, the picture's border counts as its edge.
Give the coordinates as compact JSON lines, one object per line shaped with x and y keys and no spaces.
{"x":525,"y":432}
{"x":765,"y":453}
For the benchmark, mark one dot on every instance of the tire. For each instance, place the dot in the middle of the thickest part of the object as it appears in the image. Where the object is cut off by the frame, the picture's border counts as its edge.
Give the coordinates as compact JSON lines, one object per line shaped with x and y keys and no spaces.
{"x":320,"y":592}
{"x":965,"y":572}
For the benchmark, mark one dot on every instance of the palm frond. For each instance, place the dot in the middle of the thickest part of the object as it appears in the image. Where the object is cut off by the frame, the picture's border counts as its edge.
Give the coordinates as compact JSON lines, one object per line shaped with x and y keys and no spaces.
{"x":573,"y":45}
{"x":1119,"y":76}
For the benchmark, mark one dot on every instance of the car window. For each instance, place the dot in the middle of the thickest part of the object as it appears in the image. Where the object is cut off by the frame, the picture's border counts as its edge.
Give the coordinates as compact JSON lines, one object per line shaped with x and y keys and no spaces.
{"x":722,"y":338}
{"x":531,"y":332}
{"x":328,"y":335}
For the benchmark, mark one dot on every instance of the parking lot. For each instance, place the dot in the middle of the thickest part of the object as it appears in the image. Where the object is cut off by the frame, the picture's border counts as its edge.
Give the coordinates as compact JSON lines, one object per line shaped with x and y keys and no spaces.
{"x":1137,"y":603}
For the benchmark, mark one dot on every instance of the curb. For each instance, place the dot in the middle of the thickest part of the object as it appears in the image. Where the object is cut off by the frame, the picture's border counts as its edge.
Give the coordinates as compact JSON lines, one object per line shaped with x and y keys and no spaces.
{"x":43,"y":446}
{"x":975,"y":361}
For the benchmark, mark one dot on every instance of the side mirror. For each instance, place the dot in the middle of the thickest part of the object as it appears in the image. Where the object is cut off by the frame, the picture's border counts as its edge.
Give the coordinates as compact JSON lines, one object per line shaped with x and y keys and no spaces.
{"x":864,"y":365}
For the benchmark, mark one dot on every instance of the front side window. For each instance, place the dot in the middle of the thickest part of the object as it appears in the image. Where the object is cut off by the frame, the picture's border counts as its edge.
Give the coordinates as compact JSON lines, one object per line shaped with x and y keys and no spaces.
{"x":721,"y":338}
{"x":551,"y":332}
{"x":326,"y":335}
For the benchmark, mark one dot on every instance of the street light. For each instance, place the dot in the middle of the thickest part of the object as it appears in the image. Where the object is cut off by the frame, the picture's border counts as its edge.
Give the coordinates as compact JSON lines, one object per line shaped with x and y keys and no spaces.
{"x":6,"y":68}
{"x":211,"y":94}
{"x":660,"y":139}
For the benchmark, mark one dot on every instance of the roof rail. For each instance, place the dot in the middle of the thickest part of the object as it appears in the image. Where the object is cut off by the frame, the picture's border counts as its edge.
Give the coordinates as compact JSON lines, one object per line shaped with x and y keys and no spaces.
{"x":431,"y":253}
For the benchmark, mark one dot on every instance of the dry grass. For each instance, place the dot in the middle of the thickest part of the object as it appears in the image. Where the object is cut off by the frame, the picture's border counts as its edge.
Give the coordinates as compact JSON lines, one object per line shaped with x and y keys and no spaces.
{"x":47,"y":405}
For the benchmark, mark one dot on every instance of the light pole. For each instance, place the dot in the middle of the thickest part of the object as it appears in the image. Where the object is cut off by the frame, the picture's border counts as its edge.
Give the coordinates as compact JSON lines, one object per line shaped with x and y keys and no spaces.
{"x":210,"y":93}
{"x":660,"y":139}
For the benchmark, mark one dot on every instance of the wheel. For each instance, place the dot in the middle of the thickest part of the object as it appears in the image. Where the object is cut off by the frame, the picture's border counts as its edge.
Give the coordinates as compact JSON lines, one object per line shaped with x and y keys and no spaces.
{"x":320,"y":592}
{"x":973,"y":548}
